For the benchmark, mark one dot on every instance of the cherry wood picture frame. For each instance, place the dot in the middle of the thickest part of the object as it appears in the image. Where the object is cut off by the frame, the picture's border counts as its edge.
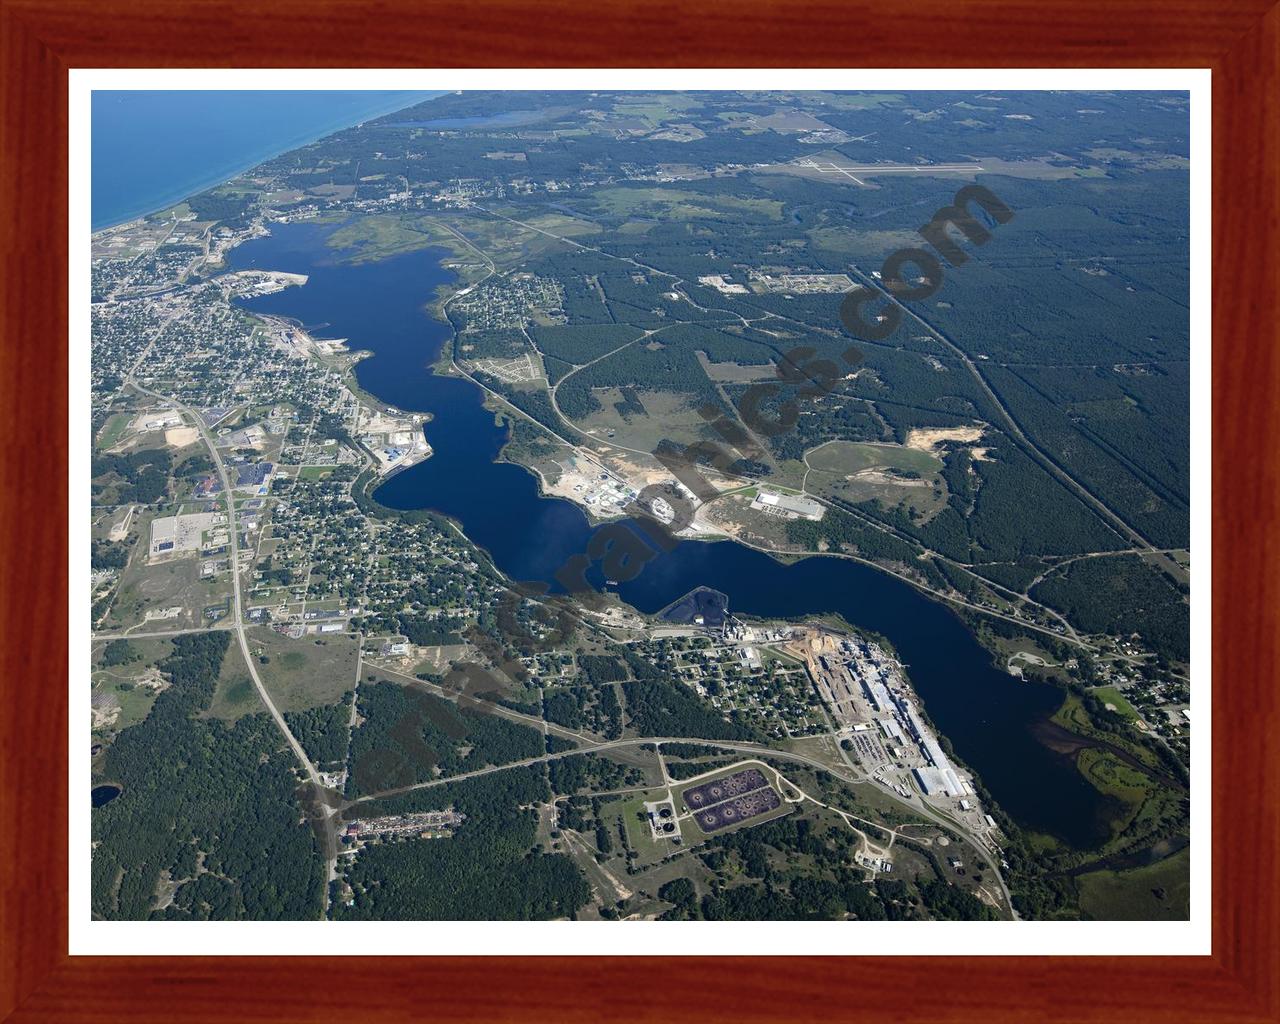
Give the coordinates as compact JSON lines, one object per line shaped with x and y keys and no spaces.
{"x":41,"y":39}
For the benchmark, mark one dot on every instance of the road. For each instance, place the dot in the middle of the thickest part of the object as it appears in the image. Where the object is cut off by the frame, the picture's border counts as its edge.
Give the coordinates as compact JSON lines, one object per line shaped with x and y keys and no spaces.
{"x":1069,"y":635}
{"x":589,"y":744}
{"x":313,"y":776}
{"x":1015,"y":430}
{"x":758,"y":750}
{"x":233,"y":545}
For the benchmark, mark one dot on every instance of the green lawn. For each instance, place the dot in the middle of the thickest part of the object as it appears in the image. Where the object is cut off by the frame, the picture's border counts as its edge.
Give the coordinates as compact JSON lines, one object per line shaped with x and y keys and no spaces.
{"x":844,"y":457}
{"x":1110,"y":695}
{"x":639,"y":838}
{"x":113,"y":430}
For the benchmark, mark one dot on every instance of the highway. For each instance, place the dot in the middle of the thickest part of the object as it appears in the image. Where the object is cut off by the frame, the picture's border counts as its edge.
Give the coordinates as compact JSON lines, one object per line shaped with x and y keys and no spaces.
{"x":589,"y":744}
{"x":313,"y":776}
{"x":233,"y":547}
{"x":1015,"y":429}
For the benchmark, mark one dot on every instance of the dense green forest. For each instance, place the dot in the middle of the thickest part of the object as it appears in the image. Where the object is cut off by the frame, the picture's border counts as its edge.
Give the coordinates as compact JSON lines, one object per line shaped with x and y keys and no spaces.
{"x":322,"y":731}
{"x":1121,"y":595}
{"x":816,"y":882}
{"x":408,"y":735}
{"x":140,"y":476}
{"x":584,"y":707}
{"x":207,"y":812}
{"x":488,"y":870}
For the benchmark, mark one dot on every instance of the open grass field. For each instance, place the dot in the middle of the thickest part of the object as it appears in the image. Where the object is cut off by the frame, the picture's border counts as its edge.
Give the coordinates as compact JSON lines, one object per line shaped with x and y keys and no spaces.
{"x":629,"y":811}
{"x":565,"y":226}
{"x":735,"y":373}
{"x":307,"y":672}
{"x":1111,"y":776}
{"x":656,"y":108}
{"x":1073,"y":716}
{"x":148,"y":651}
{"x":1157,"y":892}
{"x":667,"y":416}
{"x":849,"y":457}
{"x":677,"y":204}
{"x":888,"y":473}
{"x":156,"y":588}
{"x":381,"y":236}
{"x":874,"y":244}
{"x":122,"y":685}
{"x":235,"y":694}
{"x":113,"y":430}
{"x":1110,"y":695}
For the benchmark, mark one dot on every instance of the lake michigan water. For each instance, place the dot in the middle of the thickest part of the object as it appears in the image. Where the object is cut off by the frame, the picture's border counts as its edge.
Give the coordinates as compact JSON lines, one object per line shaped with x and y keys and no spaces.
{"x":991,"y":718}
{"x":152,"y":148}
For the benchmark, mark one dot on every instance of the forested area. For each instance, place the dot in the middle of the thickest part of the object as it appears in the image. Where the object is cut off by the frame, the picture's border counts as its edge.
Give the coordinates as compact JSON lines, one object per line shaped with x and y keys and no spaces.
{"x":118,"y":652}
{"x":1016,"y":575}
{"x":584,"y":707}
{"x":1113,"y":468}
{"x":568,"y":775}
{"x":581,"y":343}
{"x":207,"y":811}
{"x":1089,"y":352}
{"x":140,"y":476}
{"x":488,"y":870}
{"x":1120,"y":595}
{"x":408,"y":735}
{"x":818,"y":882}
{"x":598,"y":669}
{"x":323,"y":732}
{"x":839,"y":530}
{"x":232,"y":209}
{"x":431,"y":632}
{"x":659,"y":708}
{"x":1021,"y":510}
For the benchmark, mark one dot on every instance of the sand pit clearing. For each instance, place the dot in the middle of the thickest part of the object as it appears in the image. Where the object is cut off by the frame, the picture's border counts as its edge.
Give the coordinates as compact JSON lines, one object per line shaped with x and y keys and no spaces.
{"x":180,"y":437}
{"x":929,"y":439}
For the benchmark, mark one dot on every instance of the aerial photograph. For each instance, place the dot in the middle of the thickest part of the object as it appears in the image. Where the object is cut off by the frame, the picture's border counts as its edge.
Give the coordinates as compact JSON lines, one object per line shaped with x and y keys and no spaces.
{"x":640,"y":506}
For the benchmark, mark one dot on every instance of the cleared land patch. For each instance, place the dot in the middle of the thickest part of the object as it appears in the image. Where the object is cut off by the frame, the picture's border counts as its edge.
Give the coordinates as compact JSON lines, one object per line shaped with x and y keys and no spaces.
{"x":888,"y":473}
{"x":678,"y":204}
{"x":306,"y":672}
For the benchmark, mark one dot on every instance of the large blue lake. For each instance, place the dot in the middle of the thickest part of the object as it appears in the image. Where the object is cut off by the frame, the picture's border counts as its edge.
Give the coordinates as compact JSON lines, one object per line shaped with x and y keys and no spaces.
{"x":153,"y":148}
{"x":991,"y":718}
